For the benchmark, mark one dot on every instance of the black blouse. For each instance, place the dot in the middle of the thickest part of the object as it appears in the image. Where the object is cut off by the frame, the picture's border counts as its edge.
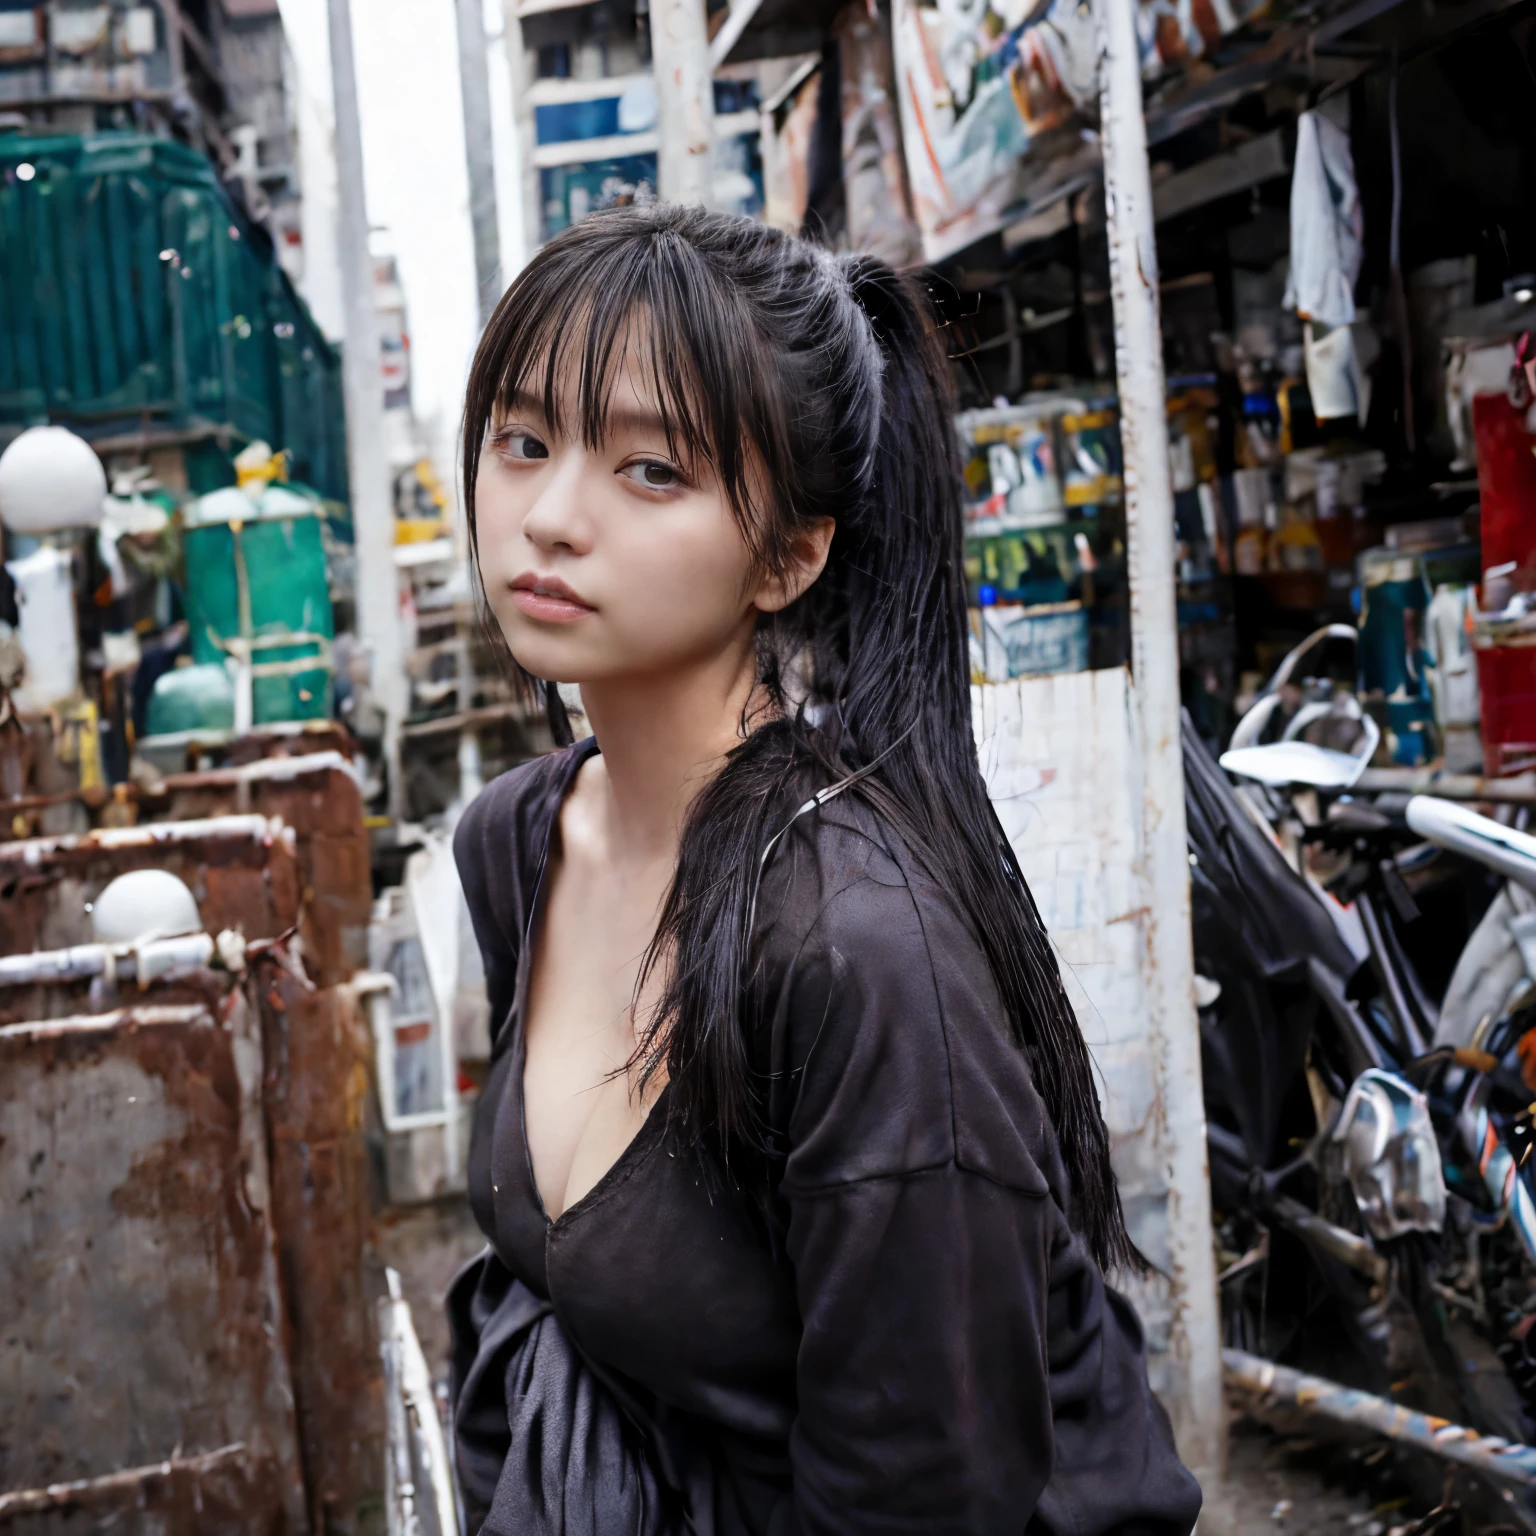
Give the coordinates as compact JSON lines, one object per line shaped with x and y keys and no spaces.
{"x":900,"y":1333}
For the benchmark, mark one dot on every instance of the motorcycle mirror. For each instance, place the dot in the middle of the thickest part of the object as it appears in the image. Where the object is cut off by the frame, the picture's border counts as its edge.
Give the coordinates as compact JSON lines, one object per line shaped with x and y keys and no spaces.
{"x":1252,"y":724}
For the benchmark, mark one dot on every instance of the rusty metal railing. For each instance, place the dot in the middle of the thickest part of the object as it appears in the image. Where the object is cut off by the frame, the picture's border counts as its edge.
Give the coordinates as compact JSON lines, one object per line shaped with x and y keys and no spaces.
{"x":1490,"y":1454}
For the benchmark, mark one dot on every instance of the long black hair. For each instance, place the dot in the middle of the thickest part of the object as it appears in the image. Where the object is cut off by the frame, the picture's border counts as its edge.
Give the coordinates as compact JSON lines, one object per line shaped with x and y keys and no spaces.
{"x":815,"y":387}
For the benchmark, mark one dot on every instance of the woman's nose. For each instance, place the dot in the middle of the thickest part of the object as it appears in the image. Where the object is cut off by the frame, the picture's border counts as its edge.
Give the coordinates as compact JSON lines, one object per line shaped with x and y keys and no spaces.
{"x":556,"y":520}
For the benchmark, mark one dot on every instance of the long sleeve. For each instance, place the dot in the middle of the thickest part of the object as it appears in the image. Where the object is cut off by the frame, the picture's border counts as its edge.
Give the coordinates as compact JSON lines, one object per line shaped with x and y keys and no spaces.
{"x":923,"y":1386}
{"x":963,"y":1368}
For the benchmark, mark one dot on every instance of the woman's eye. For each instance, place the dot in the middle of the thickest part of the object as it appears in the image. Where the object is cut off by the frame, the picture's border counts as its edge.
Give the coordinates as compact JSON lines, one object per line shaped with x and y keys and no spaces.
{"x":652,"y":474}
{"x":523,"y":445}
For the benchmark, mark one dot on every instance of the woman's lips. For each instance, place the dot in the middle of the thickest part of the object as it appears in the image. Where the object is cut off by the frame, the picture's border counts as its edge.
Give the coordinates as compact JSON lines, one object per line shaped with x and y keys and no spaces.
{"x":548,"y":599}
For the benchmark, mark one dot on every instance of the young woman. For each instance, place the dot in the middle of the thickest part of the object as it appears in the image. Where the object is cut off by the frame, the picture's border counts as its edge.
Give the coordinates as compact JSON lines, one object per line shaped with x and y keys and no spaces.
{"x":796,"y":1185}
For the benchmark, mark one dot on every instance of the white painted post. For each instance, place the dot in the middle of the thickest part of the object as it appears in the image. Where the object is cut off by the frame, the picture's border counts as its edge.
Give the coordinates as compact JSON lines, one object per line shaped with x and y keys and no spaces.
{"x":1197,"y":1407}
{"x":479,"y":152}
{"x":685,"y":101}
{"x":373,"y":517}
{"x":520,"y":72}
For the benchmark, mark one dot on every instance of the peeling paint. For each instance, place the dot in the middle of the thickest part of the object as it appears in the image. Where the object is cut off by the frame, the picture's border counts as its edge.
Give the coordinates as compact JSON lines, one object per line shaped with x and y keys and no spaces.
{"x":317,"y":1052}
{"x":138,"y":1285}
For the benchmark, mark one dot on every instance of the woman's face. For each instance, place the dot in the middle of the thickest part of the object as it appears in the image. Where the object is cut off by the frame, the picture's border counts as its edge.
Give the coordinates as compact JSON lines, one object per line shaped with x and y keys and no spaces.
{"x":614,"y":562}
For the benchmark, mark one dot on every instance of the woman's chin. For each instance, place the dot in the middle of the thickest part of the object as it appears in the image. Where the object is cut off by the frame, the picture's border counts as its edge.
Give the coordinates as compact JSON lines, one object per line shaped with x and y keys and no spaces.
{"x":547,"y":655}
{"x":555,"y":664}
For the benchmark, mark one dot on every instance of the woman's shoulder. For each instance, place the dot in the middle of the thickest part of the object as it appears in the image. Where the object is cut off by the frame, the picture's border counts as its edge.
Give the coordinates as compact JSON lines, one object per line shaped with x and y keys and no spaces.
{"x":519,"y":799}
{"x":842,"y":876}
{"x":501,"y":836}
{"x":877,"y":978}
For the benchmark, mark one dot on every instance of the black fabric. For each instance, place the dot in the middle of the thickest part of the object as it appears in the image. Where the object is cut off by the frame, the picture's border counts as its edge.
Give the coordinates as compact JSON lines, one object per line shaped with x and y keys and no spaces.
{"x":581,"y":1467}
{"x":893,"y":1329}
{"x":1278,"y":917}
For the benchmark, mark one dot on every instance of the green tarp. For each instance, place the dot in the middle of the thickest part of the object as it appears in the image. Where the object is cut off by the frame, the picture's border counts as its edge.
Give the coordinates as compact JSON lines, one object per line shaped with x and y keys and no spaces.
{"x":134,"y":294}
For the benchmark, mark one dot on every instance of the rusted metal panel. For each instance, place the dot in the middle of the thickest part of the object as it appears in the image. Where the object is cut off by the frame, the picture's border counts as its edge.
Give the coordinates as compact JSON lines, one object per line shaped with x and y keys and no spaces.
{"x":211,"y":1492}
{"x":95,"y":978}
{"x":319,"y":799}
{"x":242,"y":871}
{"x":141,"y":1320}
{"x":317,"y":1055}
{"x":292,"y":738}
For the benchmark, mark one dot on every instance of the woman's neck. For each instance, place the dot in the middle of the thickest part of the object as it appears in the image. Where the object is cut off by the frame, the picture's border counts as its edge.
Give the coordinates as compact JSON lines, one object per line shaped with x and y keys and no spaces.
{"x":662,"y":740}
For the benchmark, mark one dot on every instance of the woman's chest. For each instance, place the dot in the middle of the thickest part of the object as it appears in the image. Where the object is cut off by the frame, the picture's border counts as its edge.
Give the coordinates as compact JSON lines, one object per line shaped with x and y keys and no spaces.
{"x":665,"y":1272}
{"x":584,"y":1101}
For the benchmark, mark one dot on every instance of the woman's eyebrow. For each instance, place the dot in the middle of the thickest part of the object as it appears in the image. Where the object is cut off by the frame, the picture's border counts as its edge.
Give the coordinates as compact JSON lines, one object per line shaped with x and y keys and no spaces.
{"x":642,"y":422}
{"x":521,"y":403}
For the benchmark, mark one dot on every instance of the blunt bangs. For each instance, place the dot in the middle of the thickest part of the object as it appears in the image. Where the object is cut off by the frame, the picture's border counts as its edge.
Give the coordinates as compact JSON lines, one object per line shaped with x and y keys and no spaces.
{"x":597,"y":300}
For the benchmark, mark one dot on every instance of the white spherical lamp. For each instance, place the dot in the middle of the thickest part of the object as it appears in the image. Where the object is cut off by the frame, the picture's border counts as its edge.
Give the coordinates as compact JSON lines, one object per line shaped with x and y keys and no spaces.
{"x":50,"y":479}
{"x":143,"y":904}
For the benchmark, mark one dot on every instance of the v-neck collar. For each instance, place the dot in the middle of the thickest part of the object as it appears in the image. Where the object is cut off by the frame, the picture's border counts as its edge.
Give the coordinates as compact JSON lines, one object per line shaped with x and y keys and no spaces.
{"x":579,"y":754}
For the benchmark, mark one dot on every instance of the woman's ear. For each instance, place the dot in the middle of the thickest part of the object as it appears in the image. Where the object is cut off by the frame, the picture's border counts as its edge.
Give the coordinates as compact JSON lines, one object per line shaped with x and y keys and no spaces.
{"x":807,"y":559}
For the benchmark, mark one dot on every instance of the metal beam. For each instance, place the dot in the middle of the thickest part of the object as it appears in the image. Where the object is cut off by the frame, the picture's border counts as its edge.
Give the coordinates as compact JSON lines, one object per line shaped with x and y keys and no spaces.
{"x":475,"y":92}
{"x":685,"y":99}
{"x":583,"y":151}
{"x":1197,"y":1407}
{"x":115,"y":1485}
{"x":1489,"y":1454}
{"x":737,"y":20}
{"x":373,"y":516}
{"x":1249,"y":165}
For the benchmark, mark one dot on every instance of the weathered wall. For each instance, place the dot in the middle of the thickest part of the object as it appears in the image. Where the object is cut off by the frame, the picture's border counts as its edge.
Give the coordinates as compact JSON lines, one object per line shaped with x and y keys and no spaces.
{"x":1061,"y":764}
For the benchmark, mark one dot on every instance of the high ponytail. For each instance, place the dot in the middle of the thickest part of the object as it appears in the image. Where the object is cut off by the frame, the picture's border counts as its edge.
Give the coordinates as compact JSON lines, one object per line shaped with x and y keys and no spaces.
{"x":816,"y":387}
{"x":916,"y":482}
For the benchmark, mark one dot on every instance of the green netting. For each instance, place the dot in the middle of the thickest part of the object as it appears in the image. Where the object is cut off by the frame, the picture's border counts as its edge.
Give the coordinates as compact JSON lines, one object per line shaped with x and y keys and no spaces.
{"x":134,"y":294}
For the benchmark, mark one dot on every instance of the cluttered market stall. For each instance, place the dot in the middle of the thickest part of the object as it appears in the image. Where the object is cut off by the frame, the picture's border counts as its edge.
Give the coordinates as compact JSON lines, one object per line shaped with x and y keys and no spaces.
{"x":1340,"y":246}
{"x":244,"y":1022}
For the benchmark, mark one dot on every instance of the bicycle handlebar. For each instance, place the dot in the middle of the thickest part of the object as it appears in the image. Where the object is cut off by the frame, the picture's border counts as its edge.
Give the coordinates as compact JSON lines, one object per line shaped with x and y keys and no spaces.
{"x":1502,"y":849}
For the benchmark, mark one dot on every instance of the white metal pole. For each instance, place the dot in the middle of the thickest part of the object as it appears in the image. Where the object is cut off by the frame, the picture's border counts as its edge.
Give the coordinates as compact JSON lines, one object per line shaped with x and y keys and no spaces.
{"x":373,"y":519}
{"x":1198,"y":1409}
{"x":479,"y":154}
{"x":685,"y":101}
{"x":521,"y":73}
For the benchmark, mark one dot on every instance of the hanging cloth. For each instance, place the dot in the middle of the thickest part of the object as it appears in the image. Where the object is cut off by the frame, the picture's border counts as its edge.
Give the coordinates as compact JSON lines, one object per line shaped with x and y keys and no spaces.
{"x":1327,"y":226}
{"x":1327,"y":233}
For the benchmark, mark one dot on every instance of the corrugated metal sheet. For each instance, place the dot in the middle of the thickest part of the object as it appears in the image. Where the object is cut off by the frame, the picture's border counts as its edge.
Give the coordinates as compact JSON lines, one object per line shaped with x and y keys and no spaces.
{"x":134,"y":293}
